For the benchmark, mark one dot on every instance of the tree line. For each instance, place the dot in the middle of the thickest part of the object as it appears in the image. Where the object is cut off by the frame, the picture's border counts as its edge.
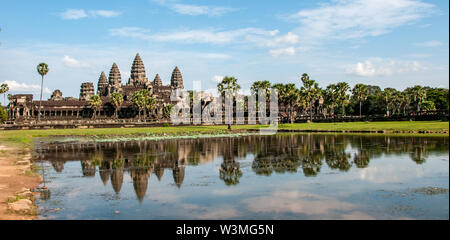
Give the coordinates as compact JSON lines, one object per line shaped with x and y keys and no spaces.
{"x":339,"y":99}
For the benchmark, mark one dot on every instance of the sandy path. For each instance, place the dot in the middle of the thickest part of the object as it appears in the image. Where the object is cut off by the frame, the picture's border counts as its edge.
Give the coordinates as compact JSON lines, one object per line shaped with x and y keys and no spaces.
{"x":13,"y":178}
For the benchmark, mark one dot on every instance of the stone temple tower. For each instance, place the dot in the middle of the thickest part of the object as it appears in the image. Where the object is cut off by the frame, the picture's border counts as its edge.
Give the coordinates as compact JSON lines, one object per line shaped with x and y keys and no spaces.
{"x":138,"y":78}
{"x":157,"y":81}
{"x":115,"y":80}
{"x":86,"y":91}
{"x":102,"y":86}
{"x":177,"y":80}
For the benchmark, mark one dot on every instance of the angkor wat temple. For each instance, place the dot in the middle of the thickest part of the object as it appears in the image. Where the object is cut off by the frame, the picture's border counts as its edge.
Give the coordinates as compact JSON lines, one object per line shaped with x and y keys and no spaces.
{"x":22,"y":107}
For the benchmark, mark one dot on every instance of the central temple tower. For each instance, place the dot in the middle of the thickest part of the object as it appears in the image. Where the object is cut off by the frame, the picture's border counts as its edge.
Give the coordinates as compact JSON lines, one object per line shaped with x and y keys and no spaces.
{"x":138,"y":78}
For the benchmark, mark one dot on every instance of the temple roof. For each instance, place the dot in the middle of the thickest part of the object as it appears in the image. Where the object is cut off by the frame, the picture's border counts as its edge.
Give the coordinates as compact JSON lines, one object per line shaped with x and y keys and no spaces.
{"x":114,"y":75}
{"x":102,"y":79}
{"x":176,"y":80}
{"x":157,"y":80}
{"x":137,"y":77}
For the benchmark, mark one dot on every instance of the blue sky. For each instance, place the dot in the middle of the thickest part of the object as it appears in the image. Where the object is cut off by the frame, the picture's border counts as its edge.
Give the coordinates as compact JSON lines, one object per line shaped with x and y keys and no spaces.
{"x":380,"y":42}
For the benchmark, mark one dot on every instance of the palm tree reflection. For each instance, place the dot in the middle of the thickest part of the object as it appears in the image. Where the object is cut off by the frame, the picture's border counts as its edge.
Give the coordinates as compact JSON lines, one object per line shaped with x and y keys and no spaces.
{"x":277,"y":154}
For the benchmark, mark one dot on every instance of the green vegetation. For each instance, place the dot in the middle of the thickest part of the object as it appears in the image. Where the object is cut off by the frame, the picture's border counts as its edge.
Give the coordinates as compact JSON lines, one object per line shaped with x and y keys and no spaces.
{"x":3,"y":115}
{"x":4,"y":89}
{"x":116,"y":99}
{"x":95,"y":102}
{"x":23,"y":138}
{"x":42,"y":69}
{"x":142,"y":100}
{"x":365,"y":100}
{"x":400,"y":126}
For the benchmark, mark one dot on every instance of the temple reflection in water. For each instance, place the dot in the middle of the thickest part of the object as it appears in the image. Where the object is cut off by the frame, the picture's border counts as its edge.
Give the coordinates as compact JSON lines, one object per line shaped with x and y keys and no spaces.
{"x":289,"y":153}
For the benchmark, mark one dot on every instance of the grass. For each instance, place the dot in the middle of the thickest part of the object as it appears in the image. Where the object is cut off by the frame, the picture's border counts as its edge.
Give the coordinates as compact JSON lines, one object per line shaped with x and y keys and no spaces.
{"x":433,"y":126}
{"x":23,"y":138}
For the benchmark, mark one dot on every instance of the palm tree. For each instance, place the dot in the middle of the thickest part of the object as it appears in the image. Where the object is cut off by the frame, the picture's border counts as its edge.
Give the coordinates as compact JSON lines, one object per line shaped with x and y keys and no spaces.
{"x":167,"y":110}
{"x":289,"y":96}
{"x":419,"y":96}
{"x":95,"y":102}
{"x":311,"y":91}
{"x":4,"y":89}
{"x":145,"y":95}
{"x":387,"y":96}
{"x":406,"y":100}
{"x":360,"y":92}
{"x":116,"y":99}
{"x":228,"y":84}
{"x":138,"y":100}
{"x":261,"y":85}
{"x":42,"y":69}
{"x":331,"y":97}
{"x":150,"y":103}
{"x":342,"y":88}
{"x":397,"y":101}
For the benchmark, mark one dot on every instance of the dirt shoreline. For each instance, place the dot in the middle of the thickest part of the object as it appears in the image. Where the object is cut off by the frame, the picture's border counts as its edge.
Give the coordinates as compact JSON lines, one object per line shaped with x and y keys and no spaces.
{"x":16,"y":181}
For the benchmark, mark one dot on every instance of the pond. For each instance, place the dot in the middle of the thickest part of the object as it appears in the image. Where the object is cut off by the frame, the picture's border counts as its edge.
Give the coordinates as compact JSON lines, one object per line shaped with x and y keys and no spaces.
{"x":284,"y":176}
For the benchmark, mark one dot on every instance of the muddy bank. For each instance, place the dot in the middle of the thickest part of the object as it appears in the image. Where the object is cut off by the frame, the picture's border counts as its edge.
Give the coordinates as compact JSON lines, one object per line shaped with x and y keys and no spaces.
{"x":17,"y":179}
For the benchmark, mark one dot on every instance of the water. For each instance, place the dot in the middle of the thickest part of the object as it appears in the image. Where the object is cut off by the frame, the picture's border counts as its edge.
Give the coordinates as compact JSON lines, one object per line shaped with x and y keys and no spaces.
{"x":288,"y":176}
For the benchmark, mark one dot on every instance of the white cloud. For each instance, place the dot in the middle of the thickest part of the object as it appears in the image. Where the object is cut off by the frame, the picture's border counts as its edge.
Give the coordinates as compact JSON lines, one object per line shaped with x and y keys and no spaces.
{"x":297,"y":202}
{"x":429,"y":44}
{"x":289,"y":38}
{"x":73,"y":63}
{"x":350,"y":19}
{"x":282,"y":52}
{"x":15,"y":86}
{"x":216,"y":56}
{"x":383,"y":67}
{"x":194,"y":36}
{"x":104,"y":13}
{"x":195,"y":10}
{"x":217,"y":78}
{"x":74,"y":14}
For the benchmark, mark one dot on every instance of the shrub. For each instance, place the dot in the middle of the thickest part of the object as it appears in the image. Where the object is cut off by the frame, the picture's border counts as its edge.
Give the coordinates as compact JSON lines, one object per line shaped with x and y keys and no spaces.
{"x":3,"y":115}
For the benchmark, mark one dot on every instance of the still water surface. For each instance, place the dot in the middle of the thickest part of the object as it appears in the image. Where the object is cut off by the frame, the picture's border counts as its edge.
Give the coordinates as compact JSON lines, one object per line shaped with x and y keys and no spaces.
{"x":288,"y":176}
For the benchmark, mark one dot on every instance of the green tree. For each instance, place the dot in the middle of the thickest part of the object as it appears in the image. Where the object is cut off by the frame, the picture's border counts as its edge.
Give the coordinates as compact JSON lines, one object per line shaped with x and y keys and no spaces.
{"x":4,"y":89}
{"x":261,"y":85}
{"x":310,"y":91}
{"x":342,"y":88}
{"x":331,"y":97}
{"x":360,"y":92}
{"x":440,"y":98}
{"x":167,"y":110}
{"x":3,"y":115}
{"x":116,"y":100}
{"x":42,"y":69}
{"x":138,"y":100}
{"x":289,"y":96}
{"x":397,"y":101}
{"x":419,"y":96}
{"x":150,"y":103}
{"x":387,"y":96}
{"x":406,"y":100}
{"x":95,"y":102}
{"x":228,"y":84}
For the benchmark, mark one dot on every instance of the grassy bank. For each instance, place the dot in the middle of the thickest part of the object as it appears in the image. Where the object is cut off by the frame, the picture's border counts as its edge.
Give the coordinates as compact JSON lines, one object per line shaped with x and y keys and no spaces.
{"x":23,"y":138}
{"x":429,"y":126}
